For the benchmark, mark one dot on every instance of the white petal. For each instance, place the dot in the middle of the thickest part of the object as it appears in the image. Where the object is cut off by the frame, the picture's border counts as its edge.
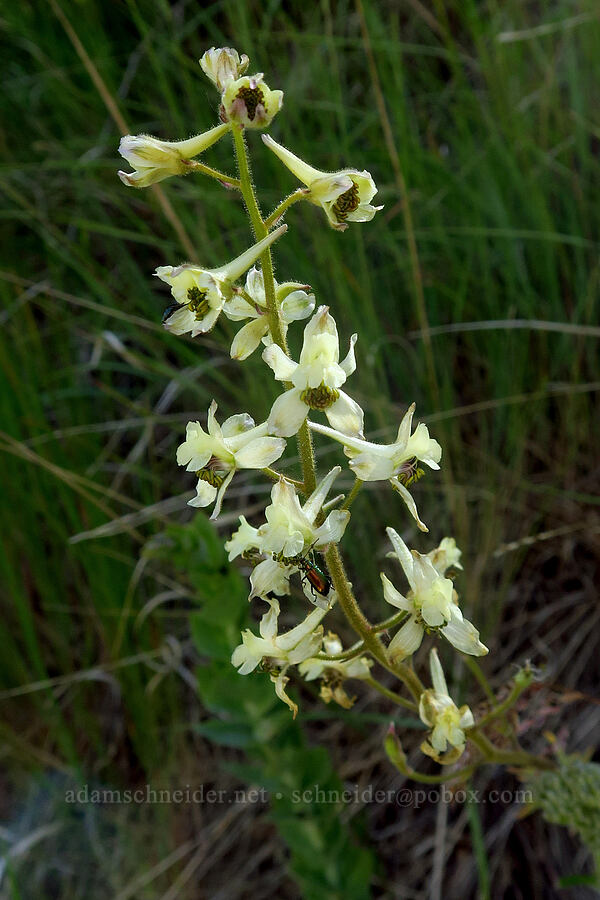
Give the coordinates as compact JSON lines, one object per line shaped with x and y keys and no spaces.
{"x":280,"y":681}
{"x":424,"y":447}
{"x":364,"y":213}
{"x":333,"y":528}
{"x":237,"y":309}
{"x":235,"y":442}
{"x":197,"y":448}
{"x":410,"y":503}
{"x":259,"y":453}
{"x":205,"y":494}
{"x":269,"y":576}
{"x":346,"y":415}
{"x":327,"y":189}
{"x":245,"y":538}
{"x":321,"y":323}
{"x":206,"y":324}
{"x":297,"y":166}
{"x":297,"y":305}
{"x":287,"y":413}
{"x":293,"y":637}
{"x":405,"y":425}
{"x":464,"y":636}
{"x":315,"y":501}
{"x":406,"y":641}
{"x":349,"y":363}
{"x":374,"y":464}
{"x":393,"y":596}
{"x":237,"y":424}
{"x":437,"y":673}
{"x":365,"y":184}
{"x":214,"y":429}
{"x":466,"y":717}
{"x":283,"y":367}
{"x":307,"y":647}
{"x":248,"y":338}
{"x":268,"y":623}
{"x":403,"y":555}
{"x":221,"y":494}
{"x":255,"y":286}
{"x":243,"y":660}
{"x":181,"y":321}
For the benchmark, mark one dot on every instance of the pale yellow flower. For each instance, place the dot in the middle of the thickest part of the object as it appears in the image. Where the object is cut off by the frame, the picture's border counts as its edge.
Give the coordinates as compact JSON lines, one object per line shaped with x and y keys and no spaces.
{"x":345,"y":196}
{"x":397,"y":462}
{"x":154,"y":160}
{"x":217,"y":454}
{"x":431,"y":604}
{"x":316,"y":380}
{"x":294,"y":300}
{"x":333,"y":672}
{"x":446,"y":720}
{"x":277,"y":651}
{"x":201,"y":294}
{"x":222,"y":65}
{"x":249,"y":102}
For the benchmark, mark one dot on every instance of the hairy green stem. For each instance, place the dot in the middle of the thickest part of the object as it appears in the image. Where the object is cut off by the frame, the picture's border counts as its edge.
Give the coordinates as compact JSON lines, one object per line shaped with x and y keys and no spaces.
{"x":391,"y":695}
{"x":493,"y":754}
{"x":305,"y":447}
{"x":479,"y":675}
{"x":362,"y":626}
{"x":227,"y":180}
{"x":260,"y":231}
{"x":350,"y":498}
{"x":273,"y":475}
{"x":517,"y":690}
{"x":300,"y":194}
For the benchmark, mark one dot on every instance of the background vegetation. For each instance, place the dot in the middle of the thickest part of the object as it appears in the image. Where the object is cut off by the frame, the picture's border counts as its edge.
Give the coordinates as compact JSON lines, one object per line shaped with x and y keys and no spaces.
{"x":475,"y":293}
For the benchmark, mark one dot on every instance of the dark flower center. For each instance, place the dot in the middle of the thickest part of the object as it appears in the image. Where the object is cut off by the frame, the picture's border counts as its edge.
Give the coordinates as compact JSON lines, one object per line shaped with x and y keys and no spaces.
{"x":198,"y":302}
{"x":346,"y":203}
{"x":410,"y":472}
{"x":251,"y":98}
{"x":214,"y":472}
{"x":321,"y":397}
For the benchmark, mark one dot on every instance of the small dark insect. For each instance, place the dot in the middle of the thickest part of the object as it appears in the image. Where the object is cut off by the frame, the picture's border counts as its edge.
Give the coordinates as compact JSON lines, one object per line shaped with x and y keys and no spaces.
{"x":170,"y":310}
{"x":318,"y":579}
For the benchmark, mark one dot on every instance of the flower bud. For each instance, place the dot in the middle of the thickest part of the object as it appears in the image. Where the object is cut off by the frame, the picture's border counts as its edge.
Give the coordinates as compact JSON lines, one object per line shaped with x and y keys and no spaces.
{"x":222,"y":65}
{"x":249,"y":102}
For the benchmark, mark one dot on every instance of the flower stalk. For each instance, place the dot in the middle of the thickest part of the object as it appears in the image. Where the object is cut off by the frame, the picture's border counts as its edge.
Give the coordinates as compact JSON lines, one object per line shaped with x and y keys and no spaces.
{"x":301,"y":525}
